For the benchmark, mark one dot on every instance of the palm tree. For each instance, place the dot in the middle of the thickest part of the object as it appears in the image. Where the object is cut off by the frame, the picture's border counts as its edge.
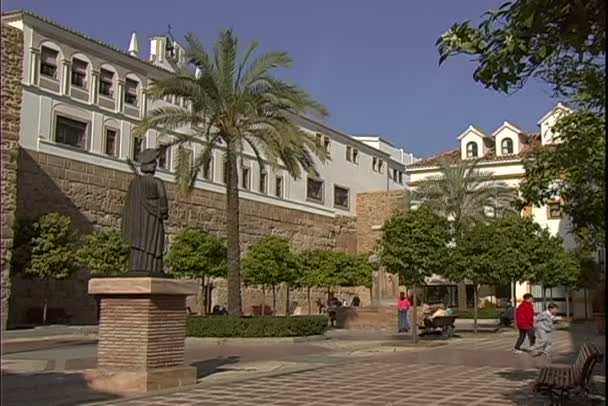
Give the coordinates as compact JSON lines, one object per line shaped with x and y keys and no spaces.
{"x":239,"y":104}
{"x":464,"y":195}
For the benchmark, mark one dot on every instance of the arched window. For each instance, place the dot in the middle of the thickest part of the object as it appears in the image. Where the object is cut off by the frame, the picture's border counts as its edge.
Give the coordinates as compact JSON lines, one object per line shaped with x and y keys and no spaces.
{"x":506,"y":146}
{"x":472,"y":150}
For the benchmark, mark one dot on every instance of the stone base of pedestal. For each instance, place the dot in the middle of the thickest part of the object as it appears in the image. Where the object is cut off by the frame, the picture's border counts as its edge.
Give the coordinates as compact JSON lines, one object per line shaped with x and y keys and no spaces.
{"x":141,"y":334}
{"x":368,"y":318}
{"x":139,"y":381}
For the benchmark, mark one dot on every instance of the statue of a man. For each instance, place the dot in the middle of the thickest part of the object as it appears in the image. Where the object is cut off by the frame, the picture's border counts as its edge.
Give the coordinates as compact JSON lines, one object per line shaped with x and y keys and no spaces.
{"x":146,"y":209}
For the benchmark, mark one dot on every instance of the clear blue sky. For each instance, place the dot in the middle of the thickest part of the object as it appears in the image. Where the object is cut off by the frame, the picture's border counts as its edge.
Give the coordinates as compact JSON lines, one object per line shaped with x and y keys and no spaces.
{"x":372,"y":63}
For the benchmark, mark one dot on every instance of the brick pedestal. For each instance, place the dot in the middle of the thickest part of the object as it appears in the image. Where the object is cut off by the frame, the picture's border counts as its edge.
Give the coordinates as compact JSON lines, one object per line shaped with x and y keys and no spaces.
{"x":141,"y":336}
{"x":371,"y":318}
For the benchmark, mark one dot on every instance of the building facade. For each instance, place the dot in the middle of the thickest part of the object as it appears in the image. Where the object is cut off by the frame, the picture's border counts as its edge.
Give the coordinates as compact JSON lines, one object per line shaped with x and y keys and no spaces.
{"x":78,"y":102}
{"x":501,"y":154}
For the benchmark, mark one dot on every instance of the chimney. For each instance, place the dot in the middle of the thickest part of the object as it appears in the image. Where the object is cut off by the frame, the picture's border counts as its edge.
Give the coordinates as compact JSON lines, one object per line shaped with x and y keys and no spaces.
{"x":134,"y":45}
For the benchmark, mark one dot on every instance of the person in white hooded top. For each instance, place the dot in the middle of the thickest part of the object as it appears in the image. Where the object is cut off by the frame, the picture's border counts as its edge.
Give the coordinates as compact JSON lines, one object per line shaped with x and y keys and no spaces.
{"x":543,"y":328}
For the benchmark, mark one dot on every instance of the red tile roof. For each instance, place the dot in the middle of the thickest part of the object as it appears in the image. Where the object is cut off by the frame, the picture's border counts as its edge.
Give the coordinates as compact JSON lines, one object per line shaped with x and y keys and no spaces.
{"x":531,"y":142}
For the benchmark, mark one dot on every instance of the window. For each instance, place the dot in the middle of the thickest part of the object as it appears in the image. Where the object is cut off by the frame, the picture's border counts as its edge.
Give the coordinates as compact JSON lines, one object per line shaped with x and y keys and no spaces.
{"x":79,"y":73}
{"x":131,"y":92}
{"x":71,"y":132}
{"x":471,"y":150}
{"x":263,"y":181}
{"x":374,"y":164}
{"x":111,"y":142}
{"x":400,"y":178}
{"x":164,"y":156}
{"x":380,"y":166}
{"x":137,"y":148}
{"x":326,"y":144}
{"x":319,"y":138}
{"x":554,"y":210}
{"x":506,"y":146}
{"x":48,"y":62}
{"x":341,"y":197}
{"x":106,"y":83}
{"x":395,"y":175}
{"x":245,"y":178}
{"x":314,"y":190}
{"x":349,"y":154}
{"x":208,"y":168}
{"x":278,"y":187}
{"x":355,"y":155}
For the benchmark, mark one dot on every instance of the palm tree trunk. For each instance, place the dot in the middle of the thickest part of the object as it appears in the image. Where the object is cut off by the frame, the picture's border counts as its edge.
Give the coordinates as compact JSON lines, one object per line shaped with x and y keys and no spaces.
{"x":233,"y":240}
{"x":568,"y":305}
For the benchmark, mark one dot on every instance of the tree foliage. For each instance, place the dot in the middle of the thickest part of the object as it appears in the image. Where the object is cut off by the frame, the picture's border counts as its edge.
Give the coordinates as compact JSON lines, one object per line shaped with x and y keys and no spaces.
{"x":562,"y":43}
{"x":104,"y":252}
{"x":270,"y":262}
{"x":415,"y":245}
{"x":197,"y":254}
{"x":462,"y":193}
{"x":235,"y":99}
{"x":325,"y":268}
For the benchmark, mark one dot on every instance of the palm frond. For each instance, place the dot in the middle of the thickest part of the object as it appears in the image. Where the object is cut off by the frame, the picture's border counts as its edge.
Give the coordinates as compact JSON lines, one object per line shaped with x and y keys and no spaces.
{"x":167,"y":118}
{"x":261,"y":66}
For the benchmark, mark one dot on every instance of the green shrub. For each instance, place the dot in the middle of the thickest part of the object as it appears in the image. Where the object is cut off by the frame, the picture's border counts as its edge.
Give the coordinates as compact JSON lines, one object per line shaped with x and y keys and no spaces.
{"x":265,"y":326}
{"x":483,"y":313}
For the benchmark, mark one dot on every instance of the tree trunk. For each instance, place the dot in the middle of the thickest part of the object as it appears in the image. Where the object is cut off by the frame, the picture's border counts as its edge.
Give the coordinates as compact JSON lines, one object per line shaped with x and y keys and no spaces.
{"x":414,"y":317}
{"x":274,"y":300}
{"x":567,"y":305}
{"x":309,"y":301}
{"x":202,"y":304}
{"x":233,"y":242}
{"x":287,"y":313}
{"x":262,"y":313}
{"x":45,"y":300}
{"x":544,"y":297}
{"x":475,"y":306}
{"x":550,"y":295}
{"x":586,"y":304}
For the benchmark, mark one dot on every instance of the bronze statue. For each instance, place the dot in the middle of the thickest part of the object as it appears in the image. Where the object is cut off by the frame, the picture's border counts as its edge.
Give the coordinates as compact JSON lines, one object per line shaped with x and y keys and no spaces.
{"x":146,"y":209}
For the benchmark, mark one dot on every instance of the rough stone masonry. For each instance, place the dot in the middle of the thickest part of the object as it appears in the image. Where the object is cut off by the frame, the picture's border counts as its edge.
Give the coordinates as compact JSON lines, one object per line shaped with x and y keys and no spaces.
{"x":11,"y":68}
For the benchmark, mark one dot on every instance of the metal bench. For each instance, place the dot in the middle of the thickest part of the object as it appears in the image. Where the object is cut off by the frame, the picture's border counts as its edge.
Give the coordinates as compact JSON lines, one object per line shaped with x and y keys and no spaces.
{"x":569,"y":380}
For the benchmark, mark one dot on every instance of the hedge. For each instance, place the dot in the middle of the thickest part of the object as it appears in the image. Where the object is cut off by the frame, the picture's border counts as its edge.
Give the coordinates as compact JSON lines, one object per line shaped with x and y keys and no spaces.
{"x":258,"y":326}
{"x":483,"y":313}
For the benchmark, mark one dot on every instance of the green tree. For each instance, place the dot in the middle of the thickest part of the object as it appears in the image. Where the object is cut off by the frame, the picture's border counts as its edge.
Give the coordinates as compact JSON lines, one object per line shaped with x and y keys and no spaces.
{"x":462,"y":194}
{"x":269,"y":262}
{"x":474,"y":261}
{"x":562,"y":43}
{"x":240,"y":104}
{"x":104,"y":252}
{"x":309,"y":263}
{"x":414,"y":245}
{"x":51,"y":253}
{"x":196,"y":254}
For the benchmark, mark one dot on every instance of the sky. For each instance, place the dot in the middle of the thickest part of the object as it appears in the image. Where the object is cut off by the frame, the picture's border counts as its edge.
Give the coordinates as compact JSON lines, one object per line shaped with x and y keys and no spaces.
{"x":374,"y":64}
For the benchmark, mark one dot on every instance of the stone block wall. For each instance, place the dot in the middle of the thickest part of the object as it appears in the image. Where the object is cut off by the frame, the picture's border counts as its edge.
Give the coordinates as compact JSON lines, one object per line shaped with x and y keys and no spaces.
{"x":11,"y":91}
{"x":93,"y":197}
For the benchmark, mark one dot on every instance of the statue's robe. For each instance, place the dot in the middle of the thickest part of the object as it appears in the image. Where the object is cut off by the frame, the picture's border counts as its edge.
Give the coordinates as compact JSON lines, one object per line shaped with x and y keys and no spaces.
{"x":143,"y":229}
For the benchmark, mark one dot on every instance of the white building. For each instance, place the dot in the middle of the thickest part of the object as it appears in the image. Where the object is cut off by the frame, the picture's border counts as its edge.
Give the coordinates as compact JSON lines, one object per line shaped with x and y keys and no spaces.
{"x":501,"y":154}
{"x":83,"y":97}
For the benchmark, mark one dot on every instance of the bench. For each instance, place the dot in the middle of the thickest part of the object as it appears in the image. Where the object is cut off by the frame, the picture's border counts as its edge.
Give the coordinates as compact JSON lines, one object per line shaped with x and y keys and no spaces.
{"x":446,"y":324}
{"x":564,"y":381}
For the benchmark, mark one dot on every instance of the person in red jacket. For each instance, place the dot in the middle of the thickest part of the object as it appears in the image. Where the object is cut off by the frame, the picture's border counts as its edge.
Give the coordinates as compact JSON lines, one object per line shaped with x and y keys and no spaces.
{"x":524,"y":317}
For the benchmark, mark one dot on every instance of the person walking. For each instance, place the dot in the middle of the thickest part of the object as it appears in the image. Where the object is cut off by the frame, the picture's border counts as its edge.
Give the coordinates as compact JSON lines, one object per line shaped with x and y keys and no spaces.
{"x":524,"y":317}
{"x":543,"y":329}
{"x":403,"y":305}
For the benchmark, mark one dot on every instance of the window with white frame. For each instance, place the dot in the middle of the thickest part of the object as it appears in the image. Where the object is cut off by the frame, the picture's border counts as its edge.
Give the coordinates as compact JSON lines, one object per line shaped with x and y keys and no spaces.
{"x":400,"y":177}
{"x":131,"y":92}
{"x":355,"y":156}
{"x":79,"y":73}
{"x":263,"y":186}
{"x":314,"y":190}
{"x":380,"y":166}
{"x":48,"y":62}
{"x":111,"y":142}
{"x":374,"y":164}
{"x":137,"y":148}
{"x":164,"y":156}
{"x":71,"y":132}
{"x":208,"y":168}
{"x":106,"y":83}
{"x":279,"y":188}
{"x":246,"y":178}
{"x":472,"y":150}
{"x":349,"y":153}
{"x":341,"y":197}
{"x":506,"y":146}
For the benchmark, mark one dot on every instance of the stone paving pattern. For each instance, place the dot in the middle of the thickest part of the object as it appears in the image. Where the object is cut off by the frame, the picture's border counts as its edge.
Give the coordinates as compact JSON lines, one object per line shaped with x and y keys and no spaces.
{"x":466,"y":372}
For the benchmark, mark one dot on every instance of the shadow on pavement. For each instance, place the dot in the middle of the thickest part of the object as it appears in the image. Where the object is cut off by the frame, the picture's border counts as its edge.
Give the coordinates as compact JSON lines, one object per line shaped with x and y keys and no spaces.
{"x":214,"y":365}
{"x":49,"y":388}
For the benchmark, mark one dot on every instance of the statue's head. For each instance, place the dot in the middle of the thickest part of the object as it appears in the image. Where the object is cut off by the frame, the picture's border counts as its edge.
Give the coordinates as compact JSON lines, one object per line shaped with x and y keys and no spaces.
{"x":148,"y":160}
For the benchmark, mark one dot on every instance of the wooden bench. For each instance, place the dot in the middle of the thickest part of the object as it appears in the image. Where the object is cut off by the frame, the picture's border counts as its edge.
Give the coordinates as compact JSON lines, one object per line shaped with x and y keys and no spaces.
{"x":564,"y":381}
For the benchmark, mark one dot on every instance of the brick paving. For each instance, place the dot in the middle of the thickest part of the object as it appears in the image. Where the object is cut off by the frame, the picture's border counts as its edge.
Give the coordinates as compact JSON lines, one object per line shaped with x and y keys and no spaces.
{"x":466,"y":372}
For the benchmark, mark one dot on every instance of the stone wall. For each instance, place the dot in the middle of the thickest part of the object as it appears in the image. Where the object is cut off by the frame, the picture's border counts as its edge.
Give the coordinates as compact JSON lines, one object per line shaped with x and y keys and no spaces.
{"x":93,"y":197}
{"x":11,"y":68}
{"x":373,"y":209}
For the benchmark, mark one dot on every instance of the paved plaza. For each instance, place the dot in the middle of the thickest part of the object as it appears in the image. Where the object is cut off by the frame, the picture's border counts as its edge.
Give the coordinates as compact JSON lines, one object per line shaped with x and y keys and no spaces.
{"x":466,"y":371}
